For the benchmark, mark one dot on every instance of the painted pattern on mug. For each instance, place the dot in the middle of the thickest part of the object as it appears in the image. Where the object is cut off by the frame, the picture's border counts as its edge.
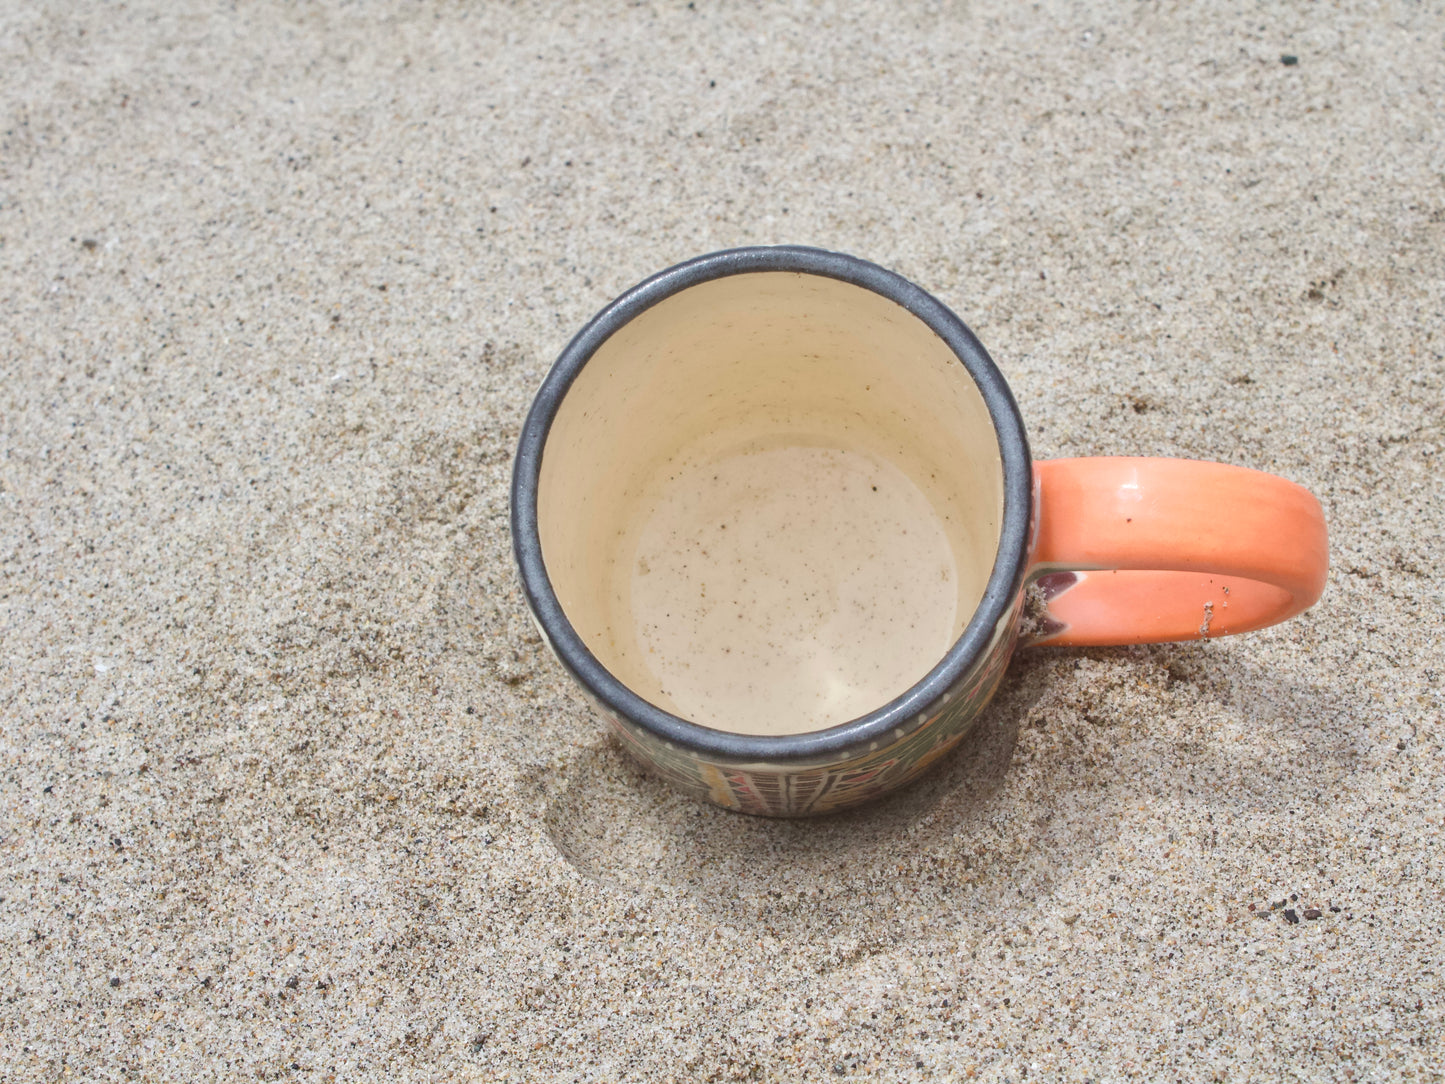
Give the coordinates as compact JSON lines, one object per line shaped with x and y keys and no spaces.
{"x":830,"y":787}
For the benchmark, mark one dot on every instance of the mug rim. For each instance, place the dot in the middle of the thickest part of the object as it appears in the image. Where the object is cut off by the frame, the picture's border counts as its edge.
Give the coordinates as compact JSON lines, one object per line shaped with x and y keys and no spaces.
{"x":904,"y":711}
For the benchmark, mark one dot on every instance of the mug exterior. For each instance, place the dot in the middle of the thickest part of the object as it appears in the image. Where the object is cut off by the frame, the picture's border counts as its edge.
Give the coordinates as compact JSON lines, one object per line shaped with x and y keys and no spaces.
{"x":825,"y":770}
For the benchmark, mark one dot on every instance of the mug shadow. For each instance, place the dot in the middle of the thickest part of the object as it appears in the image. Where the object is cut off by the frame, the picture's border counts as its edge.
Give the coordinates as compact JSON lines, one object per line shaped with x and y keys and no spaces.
{"x":923,"y":851}
{"x":1295,"y":741}
{"x":1003,"y":819}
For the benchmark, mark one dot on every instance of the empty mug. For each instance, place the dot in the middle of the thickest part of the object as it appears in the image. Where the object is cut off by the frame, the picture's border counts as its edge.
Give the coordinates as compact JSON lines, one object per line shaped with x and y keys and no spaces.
{"x":775,"y":512}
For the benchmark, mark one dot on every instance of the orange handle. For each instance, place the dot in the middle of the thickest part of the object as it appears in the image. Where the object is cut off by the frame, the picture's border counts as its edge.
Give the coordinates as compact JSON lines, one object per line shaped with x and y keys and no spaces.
{"x":1142,"y":551}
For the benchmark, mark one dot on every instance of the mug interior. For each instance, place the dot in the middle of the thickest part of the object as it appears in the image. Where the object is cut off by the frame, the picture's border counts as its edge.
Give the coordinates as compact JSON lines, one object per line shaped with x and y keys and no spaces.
{"x":771,"y":502}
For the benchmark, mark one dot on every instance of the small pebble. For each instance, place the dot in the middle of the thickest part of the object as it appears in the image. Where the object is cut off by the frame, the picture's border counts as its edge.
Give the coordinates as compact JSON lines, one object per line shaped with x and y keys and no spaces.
{"x":1290,"y":916}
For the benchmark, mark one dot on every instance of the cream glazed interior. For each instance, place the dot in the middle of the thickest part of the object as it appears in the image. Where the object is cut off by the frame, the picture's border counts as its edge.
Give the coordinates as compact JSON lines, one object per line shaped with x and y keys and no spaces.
{"x":771,"y":502}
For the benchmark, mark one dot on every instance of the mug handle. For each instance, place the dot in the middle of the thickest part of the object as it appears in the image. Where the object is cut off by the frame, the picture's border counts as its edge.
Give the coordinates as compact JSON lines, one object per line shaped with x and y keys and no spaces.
{"x":1141,"y":551}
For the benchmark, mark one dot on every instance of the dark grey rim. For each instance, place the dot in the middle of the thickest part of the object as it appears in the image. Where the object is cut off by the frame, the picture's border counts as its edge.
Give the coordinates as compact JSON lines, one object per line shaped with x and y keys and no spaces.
{"x":1003,"y":584}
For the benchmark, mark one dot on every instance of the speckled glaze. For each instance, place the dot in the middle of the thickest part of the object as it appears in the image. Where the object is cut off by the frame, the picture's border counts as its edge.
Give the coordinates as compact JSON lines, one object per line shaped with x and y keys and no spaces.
{"x":842,"y":765}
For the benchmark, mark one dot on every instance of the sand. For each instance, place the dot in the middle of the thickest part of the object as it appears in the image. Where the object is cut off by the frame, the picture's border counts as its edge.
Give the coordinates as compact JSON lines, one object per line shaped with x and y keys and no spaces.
{"x":290,"y":788}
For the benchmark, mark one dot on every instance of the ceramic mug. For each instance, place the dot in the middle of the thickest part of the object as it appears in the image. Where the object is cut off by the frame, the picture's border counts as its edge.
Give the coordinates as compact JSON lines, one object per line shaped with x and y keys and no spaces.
{"x":774,"y":510}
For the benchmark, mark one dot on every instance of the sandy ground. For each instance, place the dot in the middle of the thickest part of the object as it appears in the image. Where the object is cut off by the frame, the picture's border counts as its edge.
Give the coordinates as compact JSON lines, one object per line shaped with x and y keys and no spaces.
{"x":290,"y":789}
